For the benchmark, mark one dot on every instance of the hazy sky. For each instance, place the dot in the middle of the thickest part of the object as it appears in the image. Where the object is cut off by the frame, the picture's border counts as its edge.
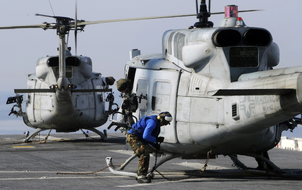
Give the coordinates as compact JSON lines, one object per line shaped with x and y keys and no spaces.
{"x":109,"y":44}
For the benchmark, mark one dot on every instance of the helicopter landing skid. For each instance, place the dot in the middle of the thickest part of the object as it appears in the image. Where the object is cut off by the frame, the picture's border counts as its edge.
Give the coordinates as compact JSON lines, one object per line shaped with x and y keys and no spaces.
{"x":102,"y":135}
{"x":117,"y":171}
{"x":34,"y":134}
{"x":270,"y":169}
{"x":113,"y":170}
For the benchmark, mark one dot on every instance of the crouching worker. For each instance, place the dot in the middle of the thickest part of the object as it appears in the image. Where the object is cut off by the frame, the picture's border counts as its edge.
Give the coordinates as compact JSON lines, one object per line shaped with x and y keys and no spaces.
{"x":142,"y":133}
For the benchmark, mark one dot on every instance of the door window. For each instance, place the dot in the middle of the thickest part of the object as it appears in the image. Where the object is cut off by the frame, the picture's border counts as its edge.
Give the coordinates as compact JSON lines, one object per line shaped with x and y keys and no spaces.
{"x":161,"y":96}
{"x":142,"y":89}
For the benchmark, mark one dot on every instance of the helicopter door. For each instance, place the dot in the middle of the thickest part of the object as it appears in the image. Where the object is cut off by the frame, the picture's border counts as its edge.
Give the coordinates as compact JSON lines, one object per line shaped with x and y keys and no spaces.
{"x":131,"y":74}
{"x":160,"y":89}
{"x":98,"y":101}
{"x":163,"y":98}
{"x":30,"y":108}
{"x":200,"y":118}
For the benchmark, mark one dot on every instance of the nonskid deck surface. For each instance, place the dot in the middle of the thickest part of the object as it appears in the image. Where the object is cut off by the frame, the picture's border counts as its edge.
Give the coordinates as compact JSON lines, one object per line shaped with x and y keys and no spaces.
{"x":36,"y":165}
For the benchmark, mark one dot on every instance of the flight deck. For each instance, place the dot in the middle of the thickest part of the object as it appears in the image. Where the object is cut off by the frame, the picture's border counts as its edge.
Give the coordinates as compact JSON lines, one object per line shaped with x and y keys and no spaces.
{"x":71,"y":161}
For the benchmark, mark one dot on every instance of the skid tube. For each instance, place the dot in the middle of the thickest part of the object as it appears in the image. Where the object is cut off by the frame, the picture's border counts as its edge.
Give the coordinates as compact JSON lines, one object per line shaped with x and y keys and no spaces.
{"x":271,"y":170}
{"x":118,"y":171}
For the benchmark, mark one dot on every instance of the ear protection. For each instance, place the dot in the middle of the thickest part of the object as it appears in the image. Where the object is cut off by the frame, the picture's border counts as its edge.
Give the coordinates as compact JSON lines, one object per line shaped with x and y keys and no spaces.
{"x":166,"y":117}
{"x":122,"y":87}
{"x":123,"y":84}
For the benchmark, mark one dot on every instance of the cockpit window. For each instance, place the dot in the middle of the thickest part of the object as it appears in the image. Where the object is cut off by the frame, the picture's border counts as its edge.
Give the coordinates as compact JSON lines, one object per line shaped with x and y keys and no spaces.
{"x":142,"y":88}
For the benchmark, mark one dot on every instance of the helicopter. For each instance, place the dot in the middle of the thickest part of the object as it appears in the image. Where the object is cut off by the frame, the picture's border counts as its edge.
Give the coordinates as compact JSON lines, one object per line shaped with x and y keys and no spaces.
{"x":220,"y":85}
{"x":63,"y":94}
{"x":223,"y":131}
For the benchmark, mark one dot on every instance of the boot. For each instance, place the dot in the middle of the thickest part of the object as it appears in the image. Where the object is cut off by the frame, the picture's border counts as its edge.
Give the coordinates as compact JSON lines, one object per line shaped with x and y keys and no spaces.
{"x":143,"y":179}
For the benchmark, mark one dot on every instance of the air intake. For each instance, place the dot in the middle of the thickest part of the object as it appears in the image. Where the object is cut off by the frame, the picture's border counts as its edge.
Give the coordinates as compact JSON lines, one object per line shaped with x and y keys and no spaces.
{"x":257,"y":37}
{"x":225,"y":38}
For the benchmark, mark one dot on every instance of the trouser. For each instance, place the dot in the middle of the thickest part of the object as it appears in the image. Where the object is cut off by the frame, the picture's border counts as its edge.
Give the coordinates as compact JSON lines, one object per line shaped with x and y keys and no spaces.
{"x":140,"y":151}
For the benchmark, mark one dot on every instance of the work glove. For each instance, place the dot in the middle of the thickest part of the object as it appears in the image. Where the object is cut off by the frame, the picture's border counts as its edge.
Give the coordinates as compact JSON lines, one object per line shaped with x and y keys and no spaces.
{"x":160,"y":139}
{"x":157,"y":146}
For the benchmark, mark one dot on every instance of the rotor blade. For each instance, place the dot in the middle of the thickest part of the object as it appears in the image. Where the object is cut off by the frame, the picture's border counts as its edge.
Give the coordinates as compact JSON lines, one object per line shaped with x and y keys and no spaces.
{"x":23,"y":26}
{"x":45,"y":15}
{"x":56,"y":17}
{"x":131,"y":19}
{"x":149,"y":18}
{"x":76,"y":28}
{"x":52,"y":26}
{"x":244,"y":11}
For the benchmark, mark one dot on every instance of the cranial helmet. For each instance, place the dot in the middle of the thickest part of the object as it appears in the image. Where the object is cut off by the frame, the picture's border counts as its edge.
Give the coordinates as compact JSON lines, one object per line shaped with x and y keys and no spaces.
{"x":122,"y":84}
{"x":110,"y":80}
{"x":165,"y":117}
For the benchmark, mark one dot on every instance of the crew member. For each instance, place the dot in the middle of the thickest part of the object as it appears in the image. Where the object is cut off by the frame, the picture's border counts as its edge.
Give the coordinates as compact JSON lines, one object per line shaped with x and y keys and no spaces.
{"x":124,"y":86}
{"x":107,"y":81}
{"x":145,"y":132}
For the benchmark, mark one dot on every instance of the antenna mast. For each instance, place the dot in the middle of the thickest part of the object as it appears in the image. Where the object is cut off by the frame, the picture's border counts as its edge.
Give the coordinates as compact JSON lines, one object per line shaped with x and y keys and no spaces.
{"x":203,"y":15}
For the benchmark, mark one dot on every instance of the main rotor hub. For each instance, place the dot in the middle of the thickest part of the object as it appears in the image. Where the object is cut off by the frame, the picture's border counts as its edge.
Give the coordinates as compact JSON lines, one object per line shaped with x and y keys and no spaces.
{"x":63,"y":25}
{"x":203,"y":16}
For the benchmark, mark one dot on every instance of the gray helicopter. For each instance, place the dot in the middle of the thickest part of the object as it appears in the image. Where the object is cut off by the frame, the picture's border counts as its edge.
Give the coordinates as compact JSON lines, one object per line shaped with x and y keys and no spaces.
{"x":220,"y":86}
{"x":64,"y":94}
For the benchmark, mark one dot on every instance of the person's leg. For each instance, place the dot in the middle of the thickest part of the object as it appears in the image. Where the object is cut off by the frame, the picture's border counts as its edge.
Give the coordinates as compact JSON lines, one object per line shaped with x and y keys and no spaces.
{"x":144,"y":157}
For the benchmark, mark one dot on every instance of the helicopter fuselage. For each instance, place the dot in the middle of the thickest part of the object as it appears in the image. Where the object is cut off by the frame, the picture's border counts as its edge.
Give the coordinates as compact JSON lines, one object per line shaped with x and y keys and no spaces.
{"x":64,"y":110}
{"x":219,"y":85}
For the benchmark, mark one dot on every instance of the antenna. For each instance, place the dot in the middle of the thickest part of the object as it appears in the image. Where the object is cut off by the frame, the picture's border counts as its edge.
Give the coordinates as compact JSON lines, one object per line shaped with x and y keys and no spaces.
{"x":196,"y":7}
{"x":51,"y":8}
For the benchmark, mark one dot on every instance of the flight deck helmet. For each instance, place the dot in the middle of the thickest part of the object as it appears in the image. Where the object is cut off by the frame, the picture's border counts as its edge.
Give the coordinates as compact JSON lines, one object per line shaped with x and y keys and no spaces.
{"x":165,"y":118}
